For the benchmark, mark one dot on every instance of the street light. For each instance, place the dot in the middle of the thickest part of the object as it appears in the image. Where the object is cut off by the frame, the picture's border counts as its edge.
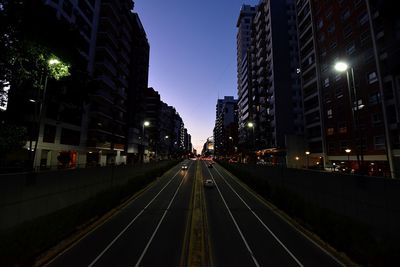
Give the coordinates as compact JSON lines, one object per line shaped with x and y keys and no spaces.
{"x":342,"y":66}
{"x":145,"y":124}
{"x":307,"y":153}
{"x":56,"y":69}
{"x":251,"y":125}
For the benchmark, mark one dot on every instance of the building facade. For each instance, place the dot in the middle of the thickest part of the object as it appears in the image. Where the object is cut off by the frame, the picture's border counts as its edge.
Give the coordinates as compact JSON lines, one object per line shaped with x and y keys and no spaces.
{"x":243,"y":41}
{"x":226,"y":127}
{"x":346,"y":120}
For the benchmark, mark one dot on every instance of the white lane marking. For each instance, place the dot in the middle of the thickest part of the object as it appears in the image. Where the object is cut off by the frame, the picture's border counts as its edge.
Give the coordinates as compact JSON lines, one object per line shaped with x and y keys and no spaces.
{"x":261,"y":221}
{"x":130,"y":223}
{"x":300,"y":232}
{"x":234,"y":221}
{"x":159,"y":223}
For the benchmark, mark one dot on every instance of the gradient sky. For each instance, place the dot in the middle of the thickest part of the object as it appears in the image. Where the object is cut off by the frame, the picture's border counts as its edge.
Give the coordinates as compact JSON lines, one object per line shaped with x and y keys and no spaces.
{"x":192,"y":56}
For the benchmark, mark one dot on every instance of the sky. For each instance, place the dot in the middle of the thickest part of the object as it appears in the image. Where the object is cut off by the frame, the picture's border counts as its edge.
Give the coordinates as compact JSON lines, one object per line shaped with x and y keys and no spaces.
{"x":192,"y":56}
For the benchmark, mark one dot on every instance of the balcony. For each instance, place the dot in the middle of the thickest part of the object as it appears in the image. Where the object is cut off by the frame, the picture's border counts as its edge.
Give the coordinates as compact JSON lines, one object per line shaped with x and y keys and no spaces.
{"x":103,"y":95}
{"x":107,"y":81}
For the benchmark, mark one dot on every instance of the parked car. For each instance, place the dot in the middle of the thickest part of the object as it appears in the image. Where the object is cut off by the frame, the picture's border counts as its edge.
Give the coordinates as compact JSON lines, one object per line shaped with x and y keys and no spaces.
{"x":209,"y":183}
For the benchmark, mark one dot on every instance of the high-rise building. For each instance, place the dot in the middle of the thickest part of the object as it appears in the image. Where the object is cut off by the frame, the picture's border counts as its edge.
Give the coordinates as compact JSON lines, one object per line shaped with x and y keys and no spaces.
{"x":345,"y":118}
{"x":269,"y":92}
{"x":243,"y":40}
{"x":226,"y":125}
{"x":276,"y":107}
{"x":385,"y":21}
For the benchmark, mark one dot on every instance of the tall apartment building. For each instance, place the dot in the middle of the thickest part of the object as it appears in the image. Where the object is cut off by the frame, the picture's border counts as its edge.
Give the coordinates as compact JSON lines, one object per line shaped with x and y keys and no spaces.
{"x":243,"y":39}
{"x":342,"y":112}
{"x":311,"y":91}
{"x":62,"y":128}
{"x":138,"y":85}
{"x":107,"y":111}
{"x":276,"y":109}
{"x":385,"y":28}
{"x":226,"y":125}
{"x":103,"y":127}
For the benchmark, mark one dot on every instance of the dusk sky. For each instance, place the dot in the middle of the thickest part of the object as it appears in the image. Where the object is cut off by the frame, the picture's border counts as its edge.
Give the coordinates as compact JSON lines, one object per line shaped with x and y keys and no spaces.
{"x":192,"y":56}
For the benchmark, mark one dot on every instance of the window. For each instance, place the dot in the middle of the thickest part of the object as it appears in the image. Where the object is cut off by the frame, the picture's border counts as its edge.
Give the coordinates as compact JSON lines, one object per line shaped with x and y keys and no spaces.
{"x":376,"y":119}
{"x":331,"y":28}
{"x":347,"y":31}
{"x":321,"y":38}
{"x":49,"y":134}
{"x":374,"y":98}
{"x":365,"y":37}
{"x":330,"y":131}
{"x":345,"y":15}
{"x":329,"y":113}
{"x":333,"y":45}
{"x":326,"y":82}
{"x":339,"y":92}
{"x":342,"y":127}
{"x":350,"y":49}
{"x":69,"y":137}
{"x":372,"y":77}
{"x":379,"y":142}
{"x":320,"y":24}
{"x":338,"y":76}
{"x":363,"y":18}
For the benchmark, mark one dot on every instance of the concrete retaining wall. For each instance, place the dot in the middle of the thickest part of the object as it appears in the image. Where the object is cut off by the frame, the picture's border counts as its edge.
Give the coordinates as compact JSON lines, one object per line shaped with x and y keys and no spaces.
{"x":27,"y":196}
{"x":373,"y":201}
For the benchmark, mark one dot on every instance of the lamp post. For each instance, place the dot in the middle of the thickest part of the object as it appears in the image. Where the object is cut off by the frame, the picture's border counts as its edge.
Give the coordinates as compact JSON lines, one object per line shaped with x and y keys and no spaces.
{"x":348,"y":154}
{"x":54,"y":68}
{"x":230,"y":150}
{"x":251,"y":125}
{"x":145,"y":124}
{"x":307,"y":153}
{"x":354,"y":105}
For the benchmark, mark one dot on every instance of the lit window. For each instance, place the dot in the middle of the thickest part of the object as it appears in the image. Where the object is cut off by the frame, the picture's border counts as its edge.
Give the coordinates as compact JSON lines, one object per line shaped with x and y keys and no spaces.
{"x":379,"y":142}
{"x":326,"y":82}
{"x":330,"y":131}
{"x":329,"y":113}
{"x":372,"y":77}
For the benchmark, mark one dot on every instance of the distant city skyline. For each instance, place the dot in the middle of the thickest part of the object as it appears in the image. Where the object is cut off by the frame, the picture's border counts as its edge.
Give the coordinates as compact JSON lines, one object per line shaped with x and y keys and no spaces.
{"x":192,"y":57}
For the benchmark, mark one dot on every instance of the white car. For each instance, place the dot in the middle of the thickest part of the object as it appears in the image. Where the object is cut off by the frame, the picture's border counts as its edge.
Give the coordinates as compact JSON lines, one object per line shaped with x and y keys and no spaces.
{"x":184,"y":167}
{"x":209,"y":183}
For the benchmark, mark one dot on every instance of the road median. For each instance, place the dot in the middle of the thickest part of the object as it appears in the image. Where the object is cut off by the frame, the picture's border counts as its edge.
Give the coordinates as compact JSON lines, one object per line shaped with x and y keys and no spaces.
{"x":197,"y":240}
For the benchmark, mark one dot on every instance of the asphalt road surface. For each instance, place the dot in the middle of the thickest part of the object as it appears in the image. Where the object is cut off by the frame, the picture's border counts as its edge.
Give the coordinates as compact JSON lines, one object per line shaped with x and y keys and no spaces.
{"x":242,"y":230}
{"x":149,"y":231}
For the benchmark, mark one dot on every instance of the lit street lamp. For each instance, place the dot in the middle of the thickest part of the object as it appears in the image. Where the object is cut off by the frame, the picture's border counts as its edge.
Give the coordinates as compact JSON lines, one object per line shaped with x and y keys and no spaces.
{"x":354,"y":105}
{"x":348,"y":154}
{"x":251,"y":125}
{"x":307,"y":153}
{"x":55,"y":69}
{"x":145,"y":124}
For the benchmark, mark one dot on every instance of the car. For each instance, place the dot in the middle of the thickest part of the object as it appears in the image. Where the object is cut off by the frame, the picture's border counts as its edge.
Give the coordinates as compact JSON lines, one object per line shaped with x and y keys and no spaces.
{"x":184,"y":167}
{"x":210,"y":165}
{"x":209,"y":183}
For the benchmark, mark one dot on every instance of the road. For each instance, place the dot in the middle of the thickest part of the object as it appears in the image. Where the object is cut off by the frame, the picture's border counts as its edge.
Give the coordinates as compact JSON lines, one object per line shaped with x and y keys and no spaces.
{"x":151,"y":230}
{"x":244,"y":231}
